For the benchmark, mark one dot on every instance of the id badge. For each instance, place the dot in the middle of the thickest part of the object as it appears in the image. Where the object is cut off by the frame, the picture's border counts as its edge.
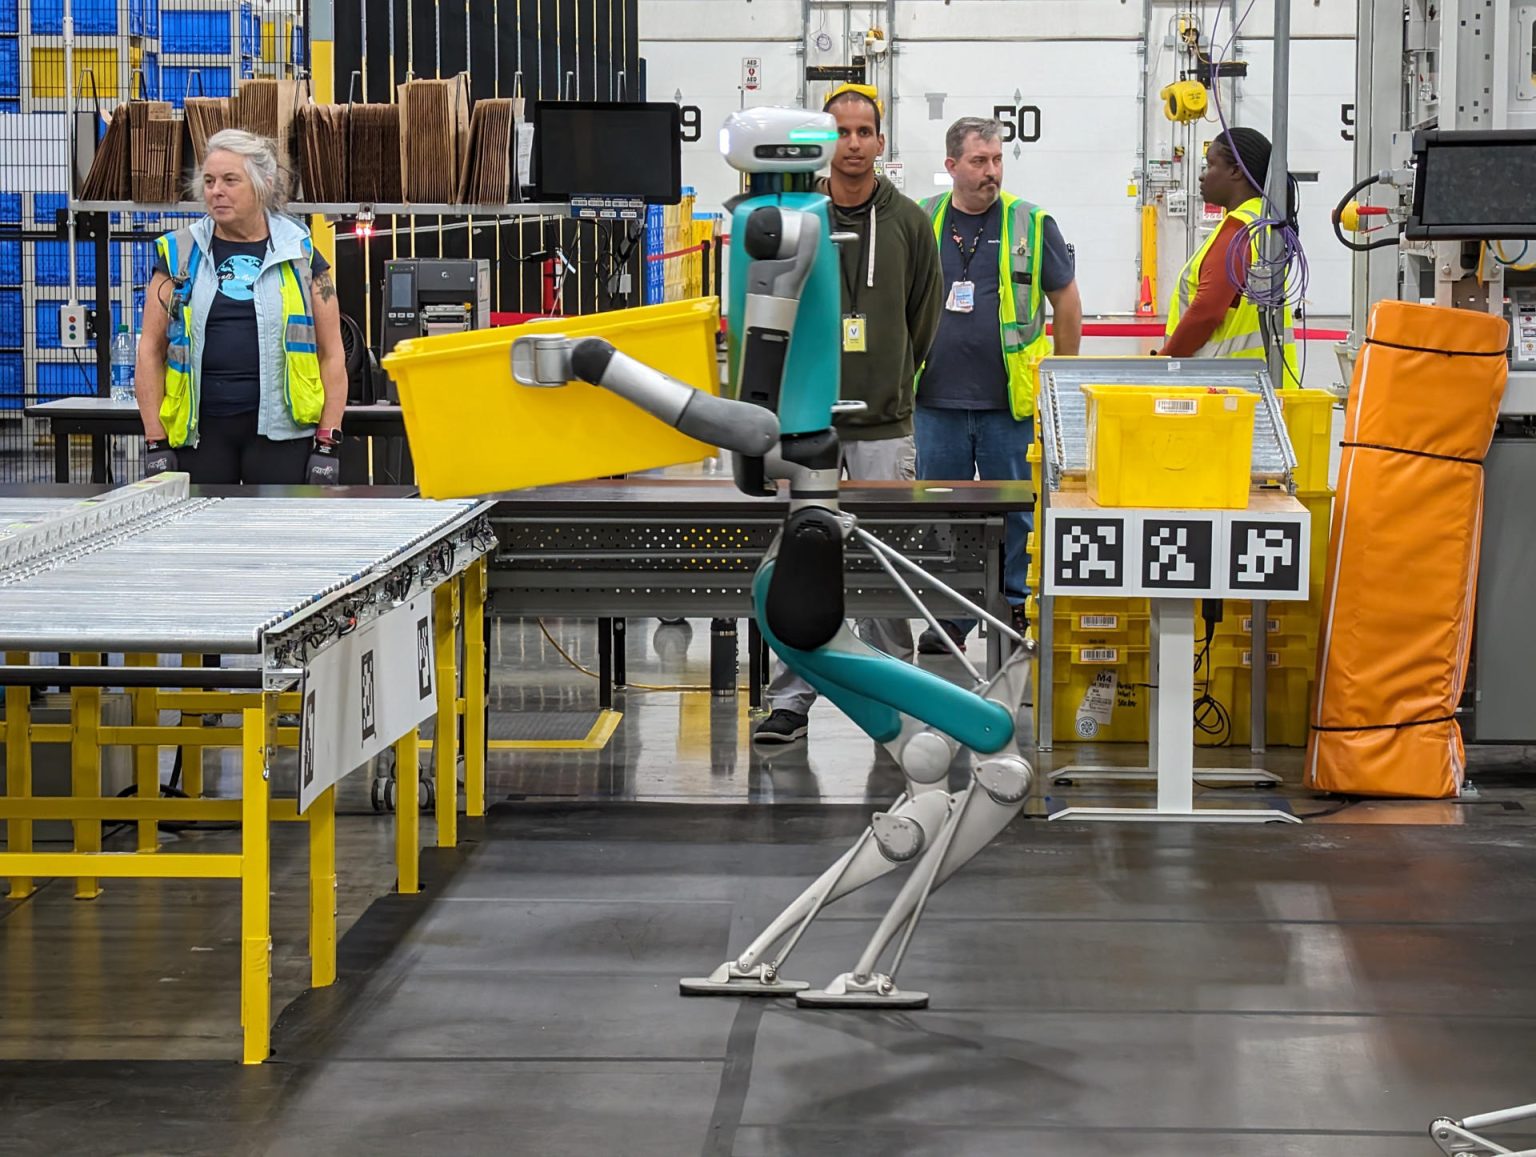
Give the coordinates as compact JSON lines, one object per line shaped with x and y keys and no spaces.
{"x":855,"y":333}
{"x":962,"y":297}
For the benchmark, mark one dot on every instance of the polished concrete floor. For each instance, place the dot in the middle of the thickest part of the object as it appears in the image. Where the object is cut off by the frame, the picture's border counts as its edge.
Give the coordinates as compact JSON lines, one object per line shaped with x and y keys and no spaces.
{"x":1275,"y":990}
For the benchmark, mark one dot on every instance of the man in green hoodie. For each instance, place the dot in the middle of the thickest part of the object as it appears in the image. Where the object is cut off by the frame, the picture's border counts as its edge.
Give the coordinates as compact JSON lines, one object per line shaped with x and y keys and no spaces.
{"x":892,"y":298}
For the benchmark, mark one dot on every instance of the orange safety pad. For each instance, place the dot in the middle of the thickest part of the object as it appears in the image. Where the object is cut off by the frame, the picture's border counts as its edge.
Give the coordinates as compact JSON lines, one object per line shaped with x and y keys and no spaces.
{"x":1401,"y":582}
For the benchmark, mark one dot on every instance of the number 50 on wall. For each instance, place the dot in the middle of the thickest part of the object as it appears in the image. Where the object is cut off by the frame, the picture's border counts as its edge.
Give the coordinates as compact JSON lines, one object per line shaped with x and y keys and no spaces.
{"x":1019,"y":124}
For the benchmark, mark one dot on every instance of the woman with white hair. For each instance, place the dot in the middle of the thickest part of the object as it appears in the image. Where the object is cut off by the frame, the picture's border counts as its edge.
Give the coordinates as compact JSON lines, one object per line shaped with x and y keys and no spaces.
{"x":241,"y":376}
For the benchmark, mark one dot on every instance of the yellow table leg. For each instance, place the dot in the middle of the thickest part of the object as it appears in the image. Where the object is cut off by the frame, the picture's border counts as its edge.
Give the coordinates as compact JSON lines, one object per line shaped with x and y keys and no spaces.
{"x":408,"y":812}
{"x":146,"y":760}
{"x":474,"y":689}
{"x":445,"y":739}
{"x":258,"y":725}
{"x":18,"y":771}
{"x":322,"y":889}
{"x":191,"y":756}
{"x":85,"y":769}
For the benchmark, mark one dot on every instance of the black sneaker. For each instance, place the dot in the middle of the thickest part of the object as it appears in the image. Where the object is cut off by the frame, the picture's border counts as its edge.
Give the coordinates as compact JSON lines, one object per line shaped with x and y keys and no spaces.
{"x":929,"y":643}
{"x":781,"y":727}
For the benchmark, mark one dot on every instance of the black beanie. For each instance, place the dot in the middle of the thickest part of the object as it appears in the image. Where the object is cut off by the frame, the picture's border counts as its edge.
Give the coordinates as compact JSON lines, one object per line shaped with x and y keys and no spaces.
{"x":1252,"y":148}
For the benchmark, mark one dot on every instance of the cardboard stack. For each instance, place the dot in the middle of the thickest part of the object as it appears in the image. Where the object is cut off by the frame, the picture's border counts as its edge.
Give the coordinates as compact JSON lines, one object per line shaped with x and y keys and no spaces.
{"x":434,"y":137}
{"x":374,"y":153}
{"x":155,"y":152}
{"x":110,"y":178}
{"x":323,"y":143}
{"x":487,"y":172}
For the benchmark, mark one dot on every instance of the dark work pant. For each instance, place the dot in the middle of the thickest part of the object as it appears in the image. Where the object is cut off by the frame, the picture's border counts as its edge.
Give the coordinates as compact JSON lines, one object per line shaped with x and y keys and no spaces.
{"x":230,"y":452}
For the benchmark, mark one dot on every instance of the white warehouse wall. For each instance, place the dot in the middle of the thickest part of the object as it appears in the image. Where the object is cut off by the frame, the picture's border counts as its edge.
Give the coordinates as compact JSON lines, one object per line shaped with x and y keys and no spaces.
{"x":1078,"y":61}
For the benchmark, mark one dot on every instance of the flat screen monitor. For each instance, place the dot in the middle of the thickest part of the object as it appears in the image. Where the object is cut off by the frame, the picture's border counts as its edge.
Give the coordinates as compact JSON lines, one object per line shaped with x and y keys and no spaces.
{"x":608,"y":148}
{"x":1474,"y":186}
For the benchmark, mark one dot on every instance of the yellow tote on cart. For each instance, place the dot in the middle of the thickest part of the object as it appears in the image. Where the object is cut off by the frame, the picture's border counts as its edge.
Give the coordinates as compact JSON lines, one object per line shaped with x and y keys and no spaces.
{"x":473,"y":430}
{"x":1401,"y":581}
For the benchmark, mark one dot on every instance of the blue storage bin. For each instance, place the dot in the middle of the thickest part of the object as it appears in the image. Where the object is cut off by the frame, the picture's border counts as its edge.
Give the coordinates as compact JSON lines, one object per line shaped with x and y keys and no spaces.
{"x":10,"y":208}
{"x":143,"y":262}
{"x":46,"y":319}
{"x":10,"y":17}
{"x":10,"y":67}
{"x":92,"y":17}
{"x":197,"y":32}
{"x":250,"y":32}
{"x":45,"y":208}
{"x":52,"y":258}
{"x":12,"y":381}
{"x":65,"y":379}
{"x":12,"y":335}
{"x":149,"y":68}
{"x":10,"y":105}
{"x":138,"y":310}
{"x":143,"y":18}
{"x":10,"y":262}
{"x":175,"y":79}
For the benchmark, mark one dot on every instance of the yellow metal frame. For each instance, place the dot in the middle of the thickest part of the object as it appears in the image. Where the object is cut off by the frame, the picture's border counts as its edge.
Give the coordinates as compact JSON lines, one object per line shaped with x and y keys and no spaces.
{"x":258,"y":737}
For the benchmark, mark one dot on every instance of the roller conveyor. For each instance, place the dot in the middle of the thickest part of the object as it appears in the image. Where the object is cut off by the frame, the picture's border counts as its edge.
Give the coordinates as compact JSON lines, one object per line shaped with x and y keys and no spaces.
{"x":1063,"y":413}
{"x":224,"y":575}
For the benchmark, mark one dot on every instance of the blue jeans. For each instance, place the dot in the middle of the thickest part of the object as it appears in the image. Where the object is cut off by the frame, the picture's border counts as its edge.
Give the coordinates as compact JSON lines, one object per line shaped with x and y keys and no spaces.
{"x":961,"y":445}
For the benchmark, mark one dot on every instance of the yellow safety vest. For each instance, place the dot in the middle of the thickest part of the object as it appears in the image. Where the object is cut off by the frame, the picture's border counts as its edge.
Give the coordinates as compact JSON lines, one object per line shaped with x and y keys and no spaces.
{"x":1241,"y":332}
{"x":1021,"y":317}
{"x":303,"y":390}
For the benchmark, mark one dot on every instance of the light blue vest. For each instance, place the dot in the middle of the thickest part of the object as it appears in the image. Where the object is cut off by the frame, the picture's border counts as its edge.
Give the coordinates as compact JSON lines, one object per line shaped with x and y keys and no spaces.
{"x":288,"y":243}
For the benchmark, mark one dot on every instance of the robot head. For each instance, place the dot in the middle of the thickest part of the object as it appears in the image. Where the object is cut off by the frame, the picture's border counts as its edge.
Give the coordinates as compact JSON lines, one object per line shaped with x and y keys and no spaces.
{"x":778,"y":140}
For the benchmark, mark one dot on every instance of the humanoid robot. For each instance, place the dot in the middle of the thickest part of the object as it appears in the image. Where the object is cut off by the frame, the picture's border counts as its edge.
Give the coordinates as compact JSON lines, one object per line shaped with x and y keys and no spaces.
{"x":785,"y":329}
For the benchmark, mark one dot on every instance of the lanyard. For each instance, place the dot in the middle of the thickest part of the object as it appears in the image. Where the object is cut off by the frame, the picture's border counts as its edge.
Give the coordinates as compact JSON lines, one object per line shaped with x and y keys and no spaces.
{"x":967,"y":255}
{"x":851,"y":282}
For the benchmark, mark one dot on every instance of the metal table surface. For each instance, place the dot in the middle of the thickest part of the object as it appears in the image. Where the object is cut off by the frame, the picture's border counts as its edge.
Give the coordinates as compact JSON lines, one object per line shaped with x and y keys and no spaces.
{"x":215,"y":575}
{"x":690,"y":548}
{"x":101,"y":418}
{"x":687,"y":546}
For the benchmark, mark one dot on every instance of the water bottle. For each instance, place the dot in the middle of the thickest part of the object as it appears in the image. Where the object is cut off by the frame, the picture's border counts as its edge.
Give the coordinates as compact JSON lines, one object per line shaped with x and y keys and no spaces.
{"x":123,"y":358}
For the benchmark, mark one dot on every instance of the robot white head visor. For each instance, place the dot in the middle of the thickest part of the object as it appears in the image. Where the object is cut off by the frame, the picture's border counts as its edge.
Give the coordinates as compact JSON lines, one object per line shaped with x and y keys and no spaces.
{"x":778,"y":140}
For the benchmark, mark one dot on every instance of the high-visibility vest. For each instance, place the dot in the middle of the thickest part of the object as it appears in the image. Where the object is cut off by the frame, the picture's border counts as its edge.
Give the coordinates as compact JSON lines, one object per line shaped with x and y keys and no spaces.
{"x":1241,"y":332}
{"x":1021,"y":316}
{"x":303,"y":390}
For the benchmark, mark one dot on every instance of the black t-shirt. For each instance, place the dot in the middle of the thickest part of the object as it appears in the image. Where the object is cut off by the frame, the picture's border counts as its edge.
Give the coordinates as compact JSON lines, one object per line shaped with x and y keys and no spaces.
{"x":965,"y":369}
{"x":230,"y":370}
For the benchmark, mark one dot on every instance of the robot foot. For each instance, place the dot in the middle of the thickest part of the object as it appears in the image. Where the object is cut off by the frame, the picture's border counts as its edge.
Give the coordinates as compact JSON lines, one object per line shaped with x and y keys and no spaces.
{"x":875,"y":991}
{"x":729,"y":980}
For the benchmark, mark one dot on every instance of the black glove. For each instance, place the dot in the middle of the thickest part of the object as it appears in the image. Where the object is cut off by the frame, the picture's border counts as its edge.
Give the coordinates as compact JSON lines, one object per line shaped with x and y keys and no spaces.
{"x":159,"y":457}
{"x":324,"y":466}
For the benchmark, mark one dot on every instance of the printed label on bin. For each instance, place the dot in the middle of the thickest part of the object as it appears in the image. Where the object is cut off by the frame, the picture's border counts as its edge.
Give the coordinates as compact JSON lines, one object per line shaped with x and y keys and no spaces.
{"x":1274,"y":625}
{"x":1274,"y":659}
{"x":1098,"y":622}
{"x":1176,"y":406}
{"x":1098,"y":706}
{"x":1098,"y":655}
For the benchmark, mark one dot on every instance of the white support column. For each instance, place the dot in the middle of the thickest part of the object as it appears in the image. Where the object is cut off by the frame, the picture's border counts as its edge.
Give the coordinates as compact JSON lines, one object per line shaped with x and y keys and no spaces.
{"x":1173,"y":640}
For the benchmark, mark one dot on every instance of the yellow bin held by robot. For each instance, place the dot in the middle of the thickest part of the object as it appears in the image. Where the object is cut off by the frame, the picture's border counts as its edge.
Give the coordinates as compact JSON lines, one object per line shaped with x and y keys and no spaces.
{"x":474,"y":430}
{"x":1172,"y":447}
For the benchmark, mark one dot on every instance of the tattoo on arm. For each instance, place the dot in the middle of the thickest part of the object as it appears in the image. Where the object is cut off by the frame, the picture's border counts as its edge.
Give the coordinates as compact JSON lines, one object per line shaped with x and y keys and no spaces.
{"x":325,"y":287}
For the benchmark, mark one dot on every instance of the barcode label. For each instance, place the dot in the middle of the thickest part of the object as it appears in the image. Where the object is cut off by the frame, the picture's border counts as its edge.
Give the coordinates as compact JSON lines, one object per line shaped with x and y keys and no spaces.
{"x":1176,"y":406}
{"x":1099,"y":655}
{"x":1098,"y":622}
{"x":1274,"y":625}
{"x":1274,"y":658}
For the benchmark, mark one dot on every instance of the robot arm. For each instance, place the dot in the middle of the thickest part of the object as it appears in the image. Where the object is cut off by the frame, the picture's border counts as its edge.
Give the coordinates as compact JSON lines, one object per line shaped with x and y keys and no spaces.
{"x":552,"y":360}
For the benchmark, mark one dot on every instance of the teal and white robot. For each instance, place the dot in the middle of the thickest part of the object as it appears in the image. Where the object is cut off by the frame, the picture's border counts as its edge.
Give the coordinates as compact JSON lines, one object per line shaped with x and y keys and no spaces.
{"x":785,"y":355}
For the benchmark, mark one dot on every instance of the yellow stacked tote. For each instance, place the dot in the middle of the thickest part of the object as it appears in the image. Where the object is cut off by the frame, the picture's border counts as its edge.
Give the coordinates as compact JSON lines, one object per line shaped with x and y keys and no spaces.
{"x":1170,"y":448}
{"x":1096,"y":637}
